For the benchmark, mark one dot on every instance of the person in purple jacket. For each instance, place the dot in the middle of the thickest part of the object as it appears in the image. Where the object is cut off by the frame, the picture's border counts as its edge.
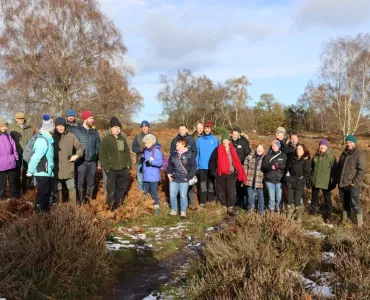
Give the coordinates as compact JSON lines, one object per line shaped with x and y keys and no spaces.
{"x":8,"y":161}
{"x":152,"y":161}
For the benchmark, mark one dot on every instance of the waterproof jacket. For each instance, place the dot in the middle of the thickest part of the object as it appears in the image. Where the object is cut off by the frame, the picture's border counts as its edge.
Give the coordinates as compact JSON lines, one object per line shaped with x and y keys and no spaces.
{"x":195,"y":136}
{"x":138,"y":146}
{"x":66,"y":145}
{"x":352,"y":168}
{"x":114,"y":153}
{"x":42,"y":161}
{"x":205,"y":146}
{"x":290,"y":151}
{"x":21,"y":136}
{"x":70,"y":127}
{"x":324,"y":170}
{"x":152,"y":173}
{"x":184,"y":171}
{"x":242,"y":148}
{"x":270,"y":159}
{"x":192,"y":147}
{"x":253,"y":170}
{"x":90,"y":140}
{"x":298,"y":173}
{"x":8,"y":152}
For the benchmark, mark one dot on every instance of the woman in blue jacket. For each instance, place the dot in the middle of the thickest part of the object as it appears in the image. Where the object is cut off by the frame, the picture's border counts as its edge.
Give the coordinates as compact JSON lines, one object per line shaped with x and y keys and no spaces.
{"x":152,"y":161}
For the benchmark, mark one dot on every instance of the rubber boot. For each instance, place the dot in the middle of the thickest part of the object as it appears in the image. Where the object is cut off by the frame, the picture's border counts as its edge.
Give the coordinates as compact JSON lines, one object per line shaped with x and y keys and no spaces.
{"x":81,"y":197}
{"x":89,"y":195}
{"x":299,"y":214}
{"x":289,"y":211}
{"x":344,"y":216}
{"x":359,"y":218}
{"x":156,"y":209}
{"x":72,"y":198}
{"x":59,"y":196}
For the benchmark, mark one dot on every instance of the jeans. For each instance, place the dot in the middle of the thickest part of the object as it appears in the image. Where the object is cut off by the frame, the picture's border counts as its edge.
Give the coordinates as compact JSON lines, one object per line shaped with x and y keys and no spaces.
{"x":44,"y":193}
{"x":12,"y":178}
{"x":152,"y":188}
{"x":261,"y":199}
{"x":315,"y":198}
{"x":175,"y":188}
{"x":225,"y":189}
{"x":351,"y":195}
{"x":275,"y":191}
{"x":86,"y":170}
{"x":117,"y":185}
{"x":139,"y":176}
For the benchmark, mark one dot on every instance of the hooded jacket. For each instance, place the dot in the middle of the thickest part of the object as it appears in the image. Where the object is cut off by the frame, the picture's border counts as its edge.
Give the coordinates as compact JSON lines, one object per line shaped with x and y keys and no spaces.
{"x":298,"y":173}
{"x":152,"y":173}
{"x":324,"y":170}
{"x":242,"y":148}
{"x":8,"y":152}
{"x":184,"y":170}
{"x":205,"y":146}
{"x":352,"y":168}
{"x":270,"y":159}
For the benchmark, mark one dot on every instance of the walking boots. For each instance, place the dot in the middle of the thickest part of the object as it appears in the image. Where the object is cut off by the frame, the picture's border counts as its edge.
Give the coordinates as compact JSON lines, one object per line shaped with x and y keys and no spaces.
{"x":81,"y":197}
{"x":300,"y":210}
{"x":89,"y":195}
{"x":72,"y":198}
{"x":59,"y":197}
{"x":289,"y":211}
{"x":359,"y":218}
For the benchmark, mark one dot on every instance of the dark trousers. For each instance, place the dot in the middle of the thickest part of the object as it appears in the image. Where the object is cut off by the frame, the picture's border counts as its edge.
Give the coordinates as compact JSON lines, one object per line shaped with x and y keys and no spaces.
{"x":22,"y":181}
{"x":152,"y":188}
{"x":117,"y":184}
{"x":86,"y":171}
{"x":44,"y":193}
{"x":225,"y":189}
{"x":191,"y":191}
{"x":241,"y":195}
{"x":207,"y":191}
{"x":294,"y":196}
{"x":351,"y":195}
{"x":315,"y":200}
{"x":12,"y":178}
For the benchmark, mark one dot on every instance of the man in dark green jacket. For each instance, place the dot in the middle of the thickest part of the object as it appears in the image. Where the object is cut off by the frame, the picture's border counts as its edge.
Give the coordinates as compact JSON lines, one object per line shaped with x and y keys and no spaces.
{"x":115,"y":158}
{"x":352,"y":168}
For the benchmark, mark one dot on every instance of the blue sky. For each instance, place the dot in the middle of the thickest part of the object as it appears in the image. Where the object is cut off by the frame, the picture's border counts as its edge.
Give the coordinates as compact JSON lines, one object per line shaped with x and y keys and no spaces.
{"x":276,"y":44}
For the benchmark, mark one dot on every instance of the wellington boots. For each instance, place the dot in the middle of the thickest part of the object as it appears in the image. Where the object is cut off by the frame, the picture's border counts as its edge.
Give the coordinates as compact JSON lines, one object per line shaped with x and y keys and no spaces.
{"x":89,"y":195}
{"x":72,"y":198}
{"x":289,"y":211}
{"x":300,"y":210}
{"x":359,"y":218}
{"x":81,"y":197}
{"x":59,"y":197}
{"x":344,"y":216}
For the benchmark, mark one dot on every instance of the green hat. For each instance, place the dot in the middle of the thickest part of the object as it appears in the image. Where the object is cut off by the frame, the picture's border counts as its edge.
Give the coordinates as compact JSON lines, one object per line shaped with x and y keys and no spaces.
{"x":225,"y":136}
{"x":351,"y":138}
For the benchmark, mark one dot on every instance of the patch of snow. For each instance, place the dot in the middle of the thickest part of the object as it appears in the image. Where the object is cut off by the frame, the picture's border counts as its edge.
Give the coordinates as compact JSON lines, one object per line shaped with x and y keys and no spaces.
{"x":328,"y":256}
{"x":323,"y":277}
{"x":313,"y":287}
{"x":328,"y":225}
{"x":210,"y":229}
{"x":313,"y":233}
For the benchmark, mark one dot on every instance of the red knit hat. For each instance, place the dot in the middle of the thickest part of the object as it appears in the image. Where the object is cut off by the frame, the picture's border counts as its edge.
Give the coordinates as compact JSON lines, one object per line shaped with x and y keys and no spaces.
{"x":86,"y":114}
{"x":208,"y":124}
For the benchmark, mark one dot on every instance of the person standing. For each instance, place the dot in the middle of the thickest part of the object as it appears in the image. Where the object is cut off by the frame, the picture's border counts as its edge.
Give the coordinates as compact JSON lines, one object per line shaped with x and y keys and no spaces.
{"x":138,"y":147}
{"x":181,"y":168}
{"x":291,"y":145}
{"x":298,"y":176}
{"x":152,"y":161}
{"x":67,"y":150}
{"x":280,"y":136}
{"x":71,"y":119}
{"x":21,"y":132}
{"x":86,"y":166}
{"x":41,"y":165}
{"x":8,"y":162}
{"x":241,"y":145}
{"x":324,"y":176}
{"x":273,"y":167}
{"x":205,"y":146}
{"x":226,"y":167}
{"x":115,"y":158}
{"x":198,"y":132}
{"x":352,"y":169}
{"x":253,"y":171}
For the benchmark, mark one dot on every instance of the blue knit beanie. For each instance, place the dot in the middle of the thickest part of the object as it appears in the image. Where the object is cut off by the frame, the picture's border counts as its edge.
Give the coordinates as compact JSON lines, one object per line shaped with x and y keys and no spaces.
{"x":144,"y":123}
{"x":71,"y":113}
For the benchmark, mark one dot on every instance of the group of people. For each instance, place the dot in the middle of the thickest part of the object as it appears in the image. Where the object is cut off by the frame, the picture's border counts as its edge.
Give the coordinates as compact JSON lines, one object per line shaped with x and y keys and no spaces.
{"x":65,"y":153}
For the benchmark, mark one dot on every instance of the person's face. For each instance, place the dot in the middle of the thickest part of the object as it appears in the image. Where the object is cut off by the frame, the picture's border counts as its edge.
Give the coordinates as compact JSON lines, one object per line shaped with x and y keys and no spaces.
{"x":323,"y":148}
{"x":274,"y":147}
{"x":207,"y":130}
{"x":3,"y":128}
{"x":294,"y":139}
{"x":200,"y":128}
{"x":145,"y":129}
{"x":180,"y":146}
{"x":89,"y":122}
{"x":60,"y":128}
{"x":235,"y":135}
{"x":183,"y":130}
{"x":350,"y":145}
{"x":115,"y":130}
{"x":148,"y":145}
{"x":71,"y":119}
{"x":226,"y":143}
{"x":20,"y":121}
{"x":299,"y":151}
{"x":260,"y":150}
{"x":279,"y":135}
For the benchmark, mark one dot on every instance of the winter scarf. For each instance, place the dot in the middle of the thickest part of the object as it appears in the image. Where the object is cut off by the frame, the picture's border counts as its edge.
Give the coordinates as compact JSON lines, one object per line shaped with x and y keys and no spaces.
{"x":223,"y":164}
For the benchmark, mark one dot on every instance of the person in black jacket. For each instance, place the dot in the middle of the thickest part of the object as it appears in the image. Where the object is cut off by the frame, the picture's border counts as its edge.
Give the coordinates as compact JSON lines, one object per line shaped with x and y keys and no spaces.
{"x":298,"y":176}
{"x":291,"y":145}
{"x":86,"y":166}
{"x":241,"y":145}
{"x":181,"y":168}
{"x":273,"y":167}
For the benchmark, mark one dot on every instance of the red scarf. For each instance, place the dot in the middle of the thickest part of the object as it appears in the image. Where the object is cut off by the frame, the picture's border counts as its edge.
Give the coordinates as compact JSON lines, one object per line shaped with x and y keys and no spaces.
{"x":223,"y":163}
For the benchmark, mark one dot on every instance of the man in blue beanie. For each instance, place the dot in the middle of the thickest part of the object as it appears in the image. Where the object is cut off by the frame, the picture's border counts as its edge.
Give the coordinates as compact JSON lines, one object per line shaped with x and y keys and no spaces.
{"x":352,"y":168}
{"x":71,"y":119}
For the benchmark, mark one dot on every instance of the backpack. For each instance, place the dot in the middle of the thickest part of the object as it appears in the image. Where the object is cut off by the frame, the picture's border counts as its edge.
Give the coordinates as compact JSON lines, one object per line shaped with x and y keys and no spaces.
{"x":164,"y":160}
{"x":28,"y":150}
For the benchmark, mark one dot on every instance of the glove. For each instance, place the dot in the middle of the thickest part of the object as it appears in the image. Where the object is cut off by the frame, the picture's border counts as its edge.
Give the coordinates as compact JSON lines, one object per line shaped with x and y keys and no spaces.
{"x":142,"y":159}
{"x":148,"y":163}
{"x":73,"y":158}
{"x":277,"y":166}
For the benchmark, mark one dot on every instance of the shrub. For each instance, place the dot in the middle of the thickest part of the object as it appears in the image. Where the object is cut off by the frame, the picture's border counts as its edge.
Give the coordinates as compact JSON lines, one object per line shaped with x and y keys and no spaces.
{"x":61,"y":255}
{"x":252,"y":261}
{"x":220,"y":130}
